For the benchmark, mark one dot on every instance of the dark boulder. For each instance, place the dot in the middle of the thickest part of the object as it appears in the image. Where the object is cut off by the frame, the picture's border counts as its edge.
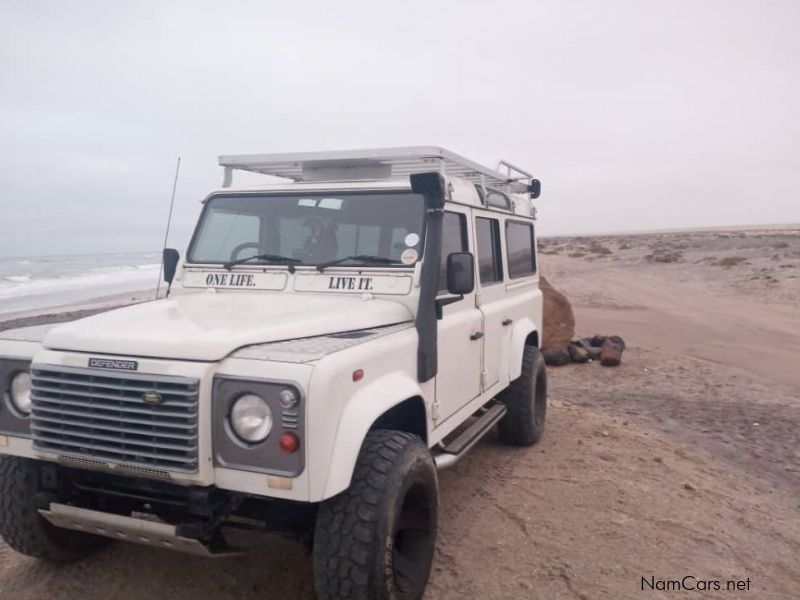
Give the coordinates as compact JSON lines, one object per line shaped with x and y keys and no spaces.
{"x":592,"y":351}
{"x":599,"y":340}
{"x":556,"y":357}
{"x":611,"y":354}
{"x":578,"y":353}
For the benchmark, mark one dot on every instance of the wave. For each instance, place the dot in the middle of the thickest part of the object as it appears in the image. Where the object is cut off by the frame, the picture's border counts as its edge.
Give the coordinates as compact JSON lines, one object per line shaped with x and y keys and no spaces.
{"x":95,"y":281}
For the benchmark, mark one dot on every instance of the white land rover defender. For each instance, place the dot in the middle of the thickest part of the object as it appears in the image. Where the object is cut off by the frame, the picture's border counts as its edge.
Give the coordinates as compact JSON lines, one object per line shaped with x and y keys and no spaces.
{"x":326,"y":345}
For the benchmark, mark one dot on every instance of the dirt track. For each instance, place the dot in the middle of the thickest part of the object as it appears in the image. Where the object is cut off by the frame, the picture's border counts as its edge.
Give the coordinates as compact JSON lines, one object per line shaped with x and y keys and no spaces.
{"x":677,"y":463}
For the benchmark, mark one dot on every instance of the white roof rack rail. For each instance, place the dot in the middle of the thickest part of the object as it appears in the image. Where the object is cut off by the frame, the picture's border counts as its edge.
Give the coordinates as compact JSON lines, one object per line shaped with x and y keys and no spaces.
{"x":375,"y":163}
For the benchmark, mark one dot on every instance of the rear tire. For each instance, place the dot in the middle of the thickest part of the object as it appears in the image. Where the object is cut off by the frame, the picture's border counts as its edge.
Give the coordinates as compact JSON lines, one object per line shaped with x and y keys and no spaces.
{"x":24,"y":529}
{"x":526,"y":399}
{"x":376,"y":539}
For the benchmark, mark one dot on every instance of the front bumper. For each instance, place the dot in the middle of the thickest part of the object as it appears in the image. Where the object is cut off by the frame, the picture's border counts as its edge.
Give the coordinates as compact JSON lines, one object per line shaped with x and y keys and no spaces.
{"x":127,"y":529}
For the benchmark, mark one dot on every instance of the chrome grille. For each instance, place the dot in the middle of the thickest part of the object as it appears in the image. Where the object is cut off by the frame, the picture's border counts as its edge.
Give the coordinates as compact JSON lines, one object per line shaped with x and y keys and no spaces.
{"x":103,"y":416}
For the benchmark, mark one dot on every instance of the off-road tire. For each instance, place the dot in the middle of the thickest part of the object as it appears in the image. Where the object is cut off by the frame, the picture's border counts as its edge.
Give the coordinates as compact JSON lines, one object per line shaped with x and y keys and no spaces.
{"x":382,"y":526}
{"x":526,"y":400}
{"x":24,"y":529}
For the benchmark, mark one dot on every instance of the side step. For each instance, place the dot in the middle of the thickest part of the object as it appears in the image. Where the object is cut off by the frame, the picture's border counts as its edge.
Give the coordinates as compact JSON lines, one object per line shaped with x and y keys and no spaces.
{"x":460,"y":445}
{"x":129,"y":529}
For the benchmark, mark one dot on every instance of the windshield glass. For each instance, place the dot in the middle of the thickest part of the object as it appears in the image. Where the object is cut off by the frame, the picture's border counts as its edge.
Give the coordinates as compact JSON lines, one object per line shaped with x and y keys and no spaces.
{"x":312,"y":228}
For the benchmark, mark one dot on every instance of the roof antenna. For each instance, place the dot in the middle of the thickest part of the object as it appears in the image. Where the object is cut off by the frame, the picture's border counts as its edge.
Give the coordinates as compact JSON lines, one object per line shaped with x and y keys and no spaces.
{"x":169,"y":222}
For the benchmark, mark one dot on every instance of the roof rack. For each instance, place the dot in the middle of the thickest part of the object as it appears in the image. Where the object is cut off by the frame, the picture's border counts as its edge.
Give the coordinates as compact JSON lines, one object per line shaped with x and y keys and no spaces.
{"x":375,"y":163}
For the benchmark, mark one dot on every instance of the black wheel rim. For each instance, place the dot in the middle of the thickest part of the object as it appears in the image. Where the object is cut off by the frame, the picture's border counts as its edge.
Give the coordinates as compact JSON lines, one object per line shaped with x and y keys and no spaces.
{"x":412,"y":540}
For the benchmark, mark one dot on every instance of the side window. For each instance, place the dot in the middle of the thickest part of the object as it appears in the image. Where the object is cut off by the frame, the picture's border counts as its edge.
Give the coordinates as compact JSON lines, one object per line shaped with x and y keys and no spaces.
{"x":497,"y":200}
{"x":454,"y":239}
{"x":519,"y":246}
{"x":487,"y":242}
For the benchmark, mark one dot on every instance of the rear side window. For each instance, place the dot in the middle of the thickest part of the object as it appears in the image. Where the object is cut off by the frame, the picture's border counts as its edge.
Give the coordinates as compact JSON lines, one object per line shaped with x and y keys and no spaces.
{"x":519,"y":246}
{"x":487,"y":241}
{"x":454,"y":239}
{"x":497,"y":200}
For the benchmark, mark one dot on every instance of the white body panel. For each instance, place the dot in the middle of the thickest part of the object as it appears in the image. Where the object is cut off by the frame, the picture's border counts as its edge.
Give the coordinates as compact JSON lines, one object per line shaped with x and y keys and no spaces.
{"x":209,"y":326}
{"x":272,"y":326}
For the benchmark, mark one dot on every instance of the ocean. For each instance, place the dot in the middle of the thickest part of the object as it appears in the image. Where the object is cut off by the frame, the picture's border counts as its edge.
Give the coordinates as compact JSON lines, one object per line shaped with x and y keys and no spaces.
{"x":40,"y":282}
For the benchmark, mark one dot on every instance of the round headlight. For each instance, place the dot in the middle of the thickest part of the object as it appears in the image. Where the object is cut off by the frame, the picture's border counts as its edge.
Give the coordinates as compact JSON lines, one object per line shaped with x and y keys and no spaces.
{"x":21,"y":392}
{"x":288,"y":398}
{"x":251,"y":418}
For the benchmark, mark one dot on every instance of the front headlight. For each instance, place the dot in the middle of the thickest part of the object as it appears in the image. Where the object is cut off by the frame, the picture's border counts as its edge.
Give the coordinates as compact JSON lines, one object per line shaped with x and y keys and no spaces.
{"x":251,"y":418}
{"x":21,"y":392}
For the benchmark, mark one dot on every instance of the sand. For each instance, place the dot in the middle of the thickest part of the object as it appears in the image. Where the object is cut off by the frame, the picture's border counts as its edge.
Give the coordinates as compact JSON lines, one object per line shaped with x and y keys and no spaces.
{"x":683,"y":461}
{"x":71,"y":312}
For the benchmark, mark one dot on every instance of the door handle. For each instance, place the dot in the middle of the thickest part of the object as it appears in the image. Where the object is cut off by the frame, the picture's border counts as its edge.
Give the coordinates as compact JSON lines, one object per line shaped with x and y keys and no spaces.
{"x":476,"y":336}
{"x":507,"y":322}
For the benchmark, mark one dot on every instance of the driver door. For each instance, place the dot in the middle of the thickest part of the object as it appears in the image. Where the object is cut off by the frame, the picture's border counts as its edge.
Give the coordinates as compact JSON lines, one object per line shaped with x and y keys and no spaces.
{"x":458,"y":380}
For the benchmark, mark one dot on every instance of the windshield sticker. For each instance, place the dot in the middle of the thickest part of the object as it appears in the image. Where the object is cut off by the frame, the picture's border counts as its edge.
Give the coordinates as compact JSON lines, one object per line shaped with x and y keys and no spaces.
{"x":409,"y":256}
{"x":234,"y":280}
{"x":358,"y":284}
{"x":412,"y":239}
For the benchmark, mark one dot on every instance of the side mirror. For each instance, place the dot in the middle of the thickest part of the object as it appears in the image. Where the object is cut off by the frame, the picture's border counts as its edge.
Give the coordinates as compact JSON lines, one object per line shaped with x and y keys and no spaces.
{"x":171,"y":258}
{"x":535,"y":188}
{"x":460,"y":273}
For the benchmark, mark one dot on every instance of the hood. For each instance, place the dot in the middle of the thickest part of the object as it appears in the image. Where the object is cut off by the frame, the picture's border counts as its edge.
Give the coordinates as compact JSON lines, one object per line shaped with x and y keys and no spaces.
{"x":34,"y":333}
{"x":209,"y":326}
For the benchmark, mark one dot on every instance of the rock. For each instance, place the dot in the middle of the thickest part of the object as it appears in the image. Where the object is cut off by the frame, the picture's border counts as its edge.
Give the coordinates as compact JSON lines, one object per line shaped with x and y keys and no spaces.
{"x":611,"y":354}
{"x":559,"y":321}
{"x":578,"y":353}
{"x":556,"y":357}
{"x":593,"y":352}
{"x":617,"y":340}
{"x":598,"y":340}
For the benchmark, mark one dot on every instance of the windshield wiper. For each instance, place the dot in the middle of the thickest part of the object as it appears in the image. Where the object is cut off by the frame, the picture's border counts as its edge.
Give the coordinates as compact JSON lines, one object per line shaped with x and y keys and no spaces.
{"x":265,"y":257}
{"x":359,"y":257}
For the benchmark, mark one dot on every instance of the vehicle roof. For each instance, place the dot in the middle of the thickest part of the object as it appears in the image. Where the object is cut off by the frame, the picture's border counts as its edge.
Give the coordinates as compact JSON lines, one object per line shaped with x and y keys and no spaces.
{"x":376,"y":163}
{"x":461,"y":191}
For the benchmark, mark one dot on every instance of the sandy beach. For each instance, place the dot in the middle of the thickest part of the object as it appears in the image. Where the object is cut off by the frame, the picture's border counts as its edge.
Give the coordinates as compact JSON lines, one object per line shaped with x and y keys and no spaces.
{"x":72,"y":312}
{"x":683,"y":461}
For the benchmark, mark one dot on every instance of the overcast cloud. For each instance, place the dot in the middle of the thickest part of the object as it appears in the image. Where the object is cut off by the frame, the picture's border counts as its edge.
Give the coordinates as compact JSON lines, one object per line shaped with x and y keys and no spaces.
{"x":635,"y":114}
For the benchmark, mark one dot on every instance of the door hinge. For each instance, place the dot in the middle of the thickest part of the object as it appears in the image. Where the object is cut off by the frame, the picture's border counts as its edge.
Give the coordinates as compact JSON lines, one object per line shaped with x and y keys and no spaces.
{"x":484,"y":377}
{"x":435,"y":411}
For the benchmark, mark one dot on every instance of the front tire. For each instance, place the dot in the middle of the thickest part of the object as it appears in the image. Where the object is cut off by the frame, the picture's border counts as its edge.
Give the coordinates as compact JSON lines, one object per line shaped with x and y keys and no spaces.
{"x":376,"y":539}
{"x":24,"y":529}
{"x":526,"y":400}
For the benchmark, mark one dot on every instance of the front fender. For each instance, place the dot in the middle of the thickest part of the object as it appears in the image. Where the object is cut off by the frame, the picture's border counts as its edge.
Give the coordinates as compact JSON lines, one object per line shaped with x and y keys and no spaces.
{"x":522,"y":329}
{"x":363,"y":409}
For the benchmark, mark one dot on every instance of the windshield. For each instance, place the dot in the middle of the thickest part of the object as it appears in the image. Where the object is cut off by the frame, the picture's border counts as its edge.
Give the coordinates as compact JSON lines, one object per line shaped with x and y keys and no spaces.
{"x":311,"y":228}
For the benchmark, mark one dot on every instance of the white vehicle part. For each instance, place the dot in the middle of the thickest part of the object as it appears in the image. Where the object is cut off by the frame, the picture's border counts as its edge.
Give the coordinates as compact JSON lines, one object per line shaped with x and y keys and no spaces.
{"x":314,"y":348}
{"x":522,"y":328}
{"x":342,"y":408}
{"x":209,"y":326}
{"x":363,"y":409}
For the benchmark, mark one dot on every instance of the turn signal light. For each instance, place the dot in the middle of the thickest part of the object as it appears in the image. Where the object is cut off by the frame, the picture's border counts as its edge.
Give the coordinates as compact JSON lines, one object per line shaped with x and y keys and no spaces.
{"x":289,"y":442}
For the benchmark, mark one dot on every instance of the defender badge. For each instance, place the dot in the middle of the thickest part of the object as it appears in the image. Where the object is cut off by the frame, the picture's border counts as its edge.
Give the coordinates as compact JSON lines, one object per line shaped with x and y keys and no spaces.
{"x":152,"y":397}
{"x":110,"y":363}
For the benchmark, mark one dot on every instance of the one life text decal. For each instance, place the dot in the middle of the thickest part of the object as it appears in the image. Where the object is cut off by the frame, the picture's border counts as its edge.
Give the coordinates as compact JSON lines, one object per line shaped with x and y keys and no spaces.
{"x":234,"y":281}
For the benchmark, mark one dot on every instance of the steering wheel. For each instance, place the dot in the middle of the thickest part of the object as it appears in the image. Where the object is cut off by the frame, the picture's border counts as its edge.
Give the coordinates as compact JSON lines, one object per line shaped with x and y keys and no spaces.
{"x":237,"y":250}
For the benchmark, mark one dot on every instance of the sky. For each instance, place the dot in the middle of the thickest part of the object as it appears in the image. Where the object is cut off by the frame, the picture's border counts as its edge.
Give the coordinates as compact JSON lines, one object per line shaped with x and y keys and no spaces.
{"x":635,"y":114}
